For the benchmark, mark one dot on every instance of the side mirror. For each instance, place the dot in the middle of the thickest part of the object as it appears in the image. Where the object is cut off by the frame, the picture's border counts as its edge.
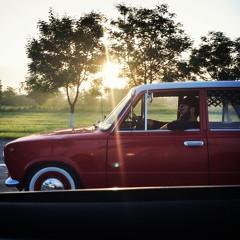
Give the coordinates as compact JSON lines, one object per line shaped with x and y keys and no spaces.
{"x":149,"y":97}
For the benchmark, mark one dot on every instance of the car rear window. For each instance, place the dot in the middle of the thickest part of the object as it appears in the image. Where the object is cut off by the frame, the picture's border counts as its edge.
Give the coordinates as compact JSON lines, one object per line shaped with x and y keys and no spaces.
{"x":224,"y":109}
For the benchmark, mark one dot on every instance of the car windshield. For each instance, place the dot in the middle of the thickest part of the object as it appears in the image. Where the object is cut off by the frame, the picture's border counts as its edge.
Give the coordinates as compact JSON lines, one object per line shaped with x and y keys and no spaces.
{"x":110,"y":119}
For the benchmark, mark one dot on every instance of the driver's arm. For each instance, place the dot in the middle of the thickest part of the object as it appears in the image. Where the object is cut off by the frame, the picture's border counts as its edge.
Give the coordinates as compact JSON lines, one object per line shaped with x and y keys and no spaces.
{"x":164,"y":127}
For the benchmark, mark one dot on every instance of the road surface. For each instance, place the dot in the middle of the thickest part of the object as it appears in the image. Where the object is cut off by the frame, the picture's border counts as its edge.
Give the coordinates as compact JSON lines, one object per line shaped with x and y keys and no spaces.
{"x":3,"y":169}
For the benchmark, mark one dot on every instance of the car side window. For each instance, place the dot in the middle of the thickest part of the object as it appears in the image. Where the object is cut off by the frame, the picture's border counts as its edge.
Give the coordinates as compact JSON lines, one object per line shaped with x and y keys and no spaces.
{"x":163,"y":109}
{"x":155,"y":109}
{"x":224,"y":109}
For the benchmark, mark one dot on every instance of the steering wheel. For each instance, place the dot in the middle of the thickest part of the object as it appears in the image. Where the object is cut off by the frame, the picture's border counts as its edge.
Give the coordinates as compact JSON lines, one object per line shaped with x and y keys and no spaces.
{"x":136,"y":120}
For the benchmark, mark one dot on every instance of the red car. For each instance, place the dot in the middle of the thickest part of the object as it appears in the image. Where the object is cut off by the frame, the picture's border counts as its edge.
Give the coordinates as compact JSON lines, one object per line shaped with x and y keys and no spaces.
{"x":136,"y":147}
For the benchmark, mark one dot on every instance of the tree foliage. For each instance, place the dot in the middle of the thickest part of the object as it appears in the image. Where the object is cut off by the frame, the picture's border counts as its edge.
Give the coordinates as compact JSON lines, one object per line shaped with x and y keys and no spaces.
{"x":36,"y":94}
{"x":10,"y":97}
{"x":149,"y":44}
{"x":0,"y":90}
{"x":146,"y":43}
{"x":66,"y":53}
{"x":7,"y":96}
{"x":216,"y":58}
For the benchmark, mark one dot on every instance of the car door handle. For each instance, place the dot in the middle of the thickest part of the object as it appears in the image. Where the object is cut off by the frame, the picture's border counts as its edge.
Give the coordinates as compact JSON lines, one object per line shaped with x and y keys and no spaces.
{"x":193,"y":143}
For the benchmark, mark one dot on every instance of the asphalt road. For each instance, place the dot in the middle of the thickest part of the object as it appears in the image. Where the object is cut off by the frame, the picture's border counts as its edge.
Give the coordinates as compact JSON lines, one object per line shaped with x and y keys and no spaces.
{"x":3,"y":169}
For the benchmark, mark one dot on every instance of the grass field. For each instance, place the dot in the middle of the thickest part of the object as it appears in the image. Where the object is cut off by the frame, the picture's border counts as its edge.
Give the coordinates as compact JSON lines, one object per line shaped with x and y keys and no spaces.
{"x":18,"y":124}
{"x":15,"y":124}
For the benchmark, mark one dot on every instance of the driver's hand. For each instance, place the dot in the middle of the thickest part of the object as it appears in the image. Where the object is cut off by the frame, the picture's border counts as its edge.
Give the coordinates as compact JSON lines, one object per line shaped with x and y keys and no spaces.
{"x":135,"y":116}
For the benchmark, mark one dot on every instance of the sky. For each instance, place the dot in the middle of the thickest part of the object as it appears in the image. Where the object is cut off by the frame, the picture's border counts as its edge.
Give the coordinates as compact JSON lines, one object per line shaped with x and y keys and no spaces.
{"x":18,"y":22}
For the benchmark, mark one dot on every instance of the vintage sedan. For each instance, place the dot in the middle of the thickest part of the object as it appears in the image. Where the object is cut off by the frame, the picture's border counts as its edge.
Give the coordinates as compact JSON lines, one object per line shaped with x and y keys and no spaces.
{"x":125,"y":151}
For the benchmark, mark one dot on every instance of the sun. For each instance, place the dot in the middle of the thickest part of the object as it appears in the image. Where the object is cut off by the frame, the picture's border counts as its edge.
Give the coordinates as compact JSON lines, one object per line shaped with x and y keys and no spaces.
{"x":111,"y":79}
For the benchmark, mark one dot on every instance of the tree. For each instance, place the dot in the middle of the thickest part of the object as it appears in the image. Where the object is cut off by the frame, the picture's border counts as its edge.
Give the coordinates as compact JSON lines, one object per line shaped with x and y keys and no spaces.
{"x":35,"y":93}
{"x":66,"y":54}
{"x":1,"y":93}
{"x":216,"y":58}
{"x":9,"y":97}
{"x":148,"y":44}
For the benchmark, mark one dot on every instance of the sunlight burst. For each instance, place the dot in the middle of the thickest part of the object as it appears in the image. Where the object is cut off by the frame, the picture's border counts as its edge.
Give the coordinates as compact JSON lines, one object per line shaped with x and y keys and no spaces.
{"x":110,"y":72}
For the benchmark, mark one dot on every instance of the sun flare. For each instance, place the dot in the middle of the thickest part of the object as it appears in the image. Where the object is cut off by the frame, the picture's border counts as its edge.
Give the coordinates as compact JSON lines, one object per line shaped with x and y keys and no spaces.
{"x":110,"y":72}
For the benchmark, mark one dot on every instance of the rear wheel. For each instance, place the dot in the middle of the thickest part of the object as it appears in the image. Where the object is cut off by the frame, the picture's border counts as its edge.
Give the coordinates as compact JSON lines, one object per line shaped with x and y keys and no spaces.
{"x":50,"y":178}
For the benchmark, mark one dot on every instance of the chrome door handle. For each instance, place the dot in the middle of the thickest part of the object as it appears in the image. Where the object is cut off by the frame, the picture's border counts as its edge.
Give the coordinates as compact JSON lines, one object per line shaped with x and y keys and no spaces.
{"x":193,"y":143}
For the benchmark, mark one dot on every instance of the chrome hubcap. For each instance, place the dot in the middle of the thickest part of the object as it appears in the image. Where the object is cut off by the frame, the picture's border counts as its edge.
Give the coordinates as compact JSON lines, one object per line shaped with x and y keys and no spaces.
{"x":52,"y":184}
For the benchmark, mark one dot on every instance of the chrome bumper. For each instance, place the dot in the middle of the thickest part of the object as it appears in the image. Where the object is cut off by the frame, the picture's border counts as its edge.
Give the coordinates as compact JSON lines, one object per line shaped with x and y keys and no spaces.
{"x":11,"y":182}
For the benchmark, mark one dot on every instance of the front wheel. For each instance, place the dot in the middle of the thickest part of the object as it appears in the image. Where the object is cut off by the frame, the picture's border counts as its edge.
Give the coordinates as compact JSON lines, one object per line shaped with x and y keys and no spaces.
{"x":51,"y":178}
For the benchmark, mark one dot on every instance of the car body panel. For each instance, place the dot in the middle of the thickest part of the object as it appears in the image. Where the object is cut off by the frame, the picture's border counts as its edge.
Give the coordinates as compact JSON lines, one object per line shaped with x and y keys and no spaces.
{"x":148,"y":159}
{"x":224,"y":158}
{"x":84,"y":152}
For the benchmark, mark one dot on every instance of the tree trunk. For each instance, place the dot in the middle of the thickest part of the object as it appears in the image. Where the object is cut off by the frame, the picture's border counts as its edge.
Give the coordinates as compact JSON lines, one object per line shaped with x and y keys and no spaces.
{"x":71,"y":120}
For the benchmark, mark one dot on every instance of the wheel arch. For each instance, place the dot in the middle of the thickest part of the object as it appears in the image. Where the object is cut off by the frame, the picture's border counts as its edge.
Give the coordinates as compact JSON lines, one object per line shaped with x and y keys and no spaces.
{"x":37,"y":166}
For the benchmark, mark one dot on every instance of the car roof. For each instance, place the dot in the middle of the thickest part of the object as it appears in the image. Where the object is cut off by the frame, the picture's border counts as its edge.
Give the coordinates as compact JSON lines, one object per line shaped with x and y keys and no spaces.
{"x":192,"y":85}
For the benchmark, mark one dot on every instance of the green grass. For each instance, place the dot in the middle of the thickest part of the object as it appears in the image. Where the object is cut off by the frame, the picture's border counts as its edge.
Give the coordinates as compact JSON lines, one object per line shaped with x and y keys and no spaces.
{"x":18,"y":124}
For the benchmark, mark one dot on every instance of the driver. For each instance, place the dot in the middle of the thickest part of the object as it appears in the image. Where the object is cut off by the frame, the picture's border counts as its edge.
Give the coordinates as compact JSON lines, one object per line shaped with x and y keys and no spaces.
{"x":188,"y":113}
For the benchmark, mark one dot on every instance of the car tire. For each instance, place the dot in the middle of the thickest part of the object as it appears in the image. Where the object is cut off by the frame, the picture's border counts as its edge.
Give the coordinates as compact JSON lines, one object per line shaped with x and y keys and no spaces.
{"x":51,"y":177}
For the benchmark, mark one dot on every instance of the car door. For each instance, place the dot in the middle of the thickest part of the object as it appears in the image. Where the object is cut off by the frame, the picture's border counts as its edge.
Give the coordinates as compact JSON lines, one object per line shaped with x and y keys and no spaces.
{"x":224,"y":136}
{"x":157,"y":157}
